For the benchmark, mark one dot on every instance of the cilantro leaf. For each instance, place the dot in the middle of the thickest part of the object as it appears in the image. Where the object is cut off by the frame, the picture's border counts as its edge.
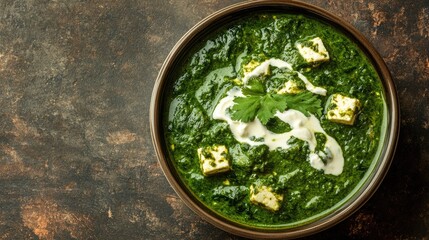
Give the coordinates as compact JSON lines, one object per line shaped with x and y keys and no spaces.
{"x":304,"y":102}
{"x":257,"y":102}
{"x":245,"y":109}
{"x":264,"y":107}
{"x":270,"y":104}
{"x":254,"y":87}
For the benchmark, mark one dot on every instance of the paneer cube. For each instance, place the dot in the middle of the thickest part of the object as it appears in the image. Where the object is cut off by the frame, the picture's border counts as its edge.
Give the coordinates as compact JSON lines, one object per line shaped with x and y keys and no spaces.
{"x":249,"y":67}
{"x":289,"y":87}
{"x":343,"y":109}
{"x":213,"y":159}
{"x":313,"y":50}
{"x":265,"y":197}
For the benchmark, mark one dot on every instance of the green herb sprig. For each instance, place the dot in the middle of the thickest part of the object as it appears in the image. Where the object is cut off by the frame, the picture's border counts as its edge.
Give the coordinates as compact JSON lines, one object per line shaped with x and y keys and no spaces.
{"x":257,"y":102}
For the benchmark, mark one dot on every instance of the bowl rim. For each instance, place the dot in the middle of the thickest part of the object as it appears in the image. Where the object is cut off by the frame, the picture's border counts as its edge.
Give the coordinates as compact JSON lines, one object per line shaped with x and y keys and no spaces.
{"x":373,"y":182}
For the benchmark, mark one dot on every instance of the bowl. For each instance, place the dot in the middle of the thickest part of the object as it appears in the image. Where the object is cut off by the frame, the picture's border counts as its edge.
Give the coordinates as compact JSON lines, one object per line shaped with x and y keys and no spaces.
{"x":373,"y":176}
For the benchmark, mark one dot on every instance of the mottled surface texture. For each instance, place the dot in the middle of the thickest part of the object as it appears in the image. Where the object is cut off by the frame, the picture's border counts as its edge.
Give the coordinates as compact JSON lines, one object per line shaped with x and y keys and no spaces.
{"x":76,"y":158}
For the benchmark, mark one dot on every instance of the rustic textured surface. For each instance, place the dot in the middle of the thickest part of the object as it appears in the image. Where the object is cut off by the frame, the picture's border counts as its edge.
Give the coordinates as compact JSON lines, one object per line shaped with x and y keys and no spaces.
{"x":76,"y":159}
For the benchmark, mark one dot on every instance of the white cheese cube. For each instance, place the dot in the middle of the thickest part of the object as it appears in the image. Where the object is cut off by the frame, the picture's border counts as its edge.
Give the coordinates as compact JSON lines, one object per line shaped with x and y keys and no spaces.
{"x":313,"y":50}
{"x":213,"y":159}
{"x":343,"y":109}
{"x":265,"y":197}
{"x":289,"y":87}
{"x":250,"y":70}
{"x":249,"y":67}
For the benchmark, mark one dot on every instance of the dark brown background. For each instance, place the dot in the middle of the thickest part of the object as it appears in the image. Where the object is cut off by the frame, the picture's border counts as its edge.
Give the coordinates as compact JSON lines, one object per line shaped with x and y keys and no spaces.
{"x":76,"y":159}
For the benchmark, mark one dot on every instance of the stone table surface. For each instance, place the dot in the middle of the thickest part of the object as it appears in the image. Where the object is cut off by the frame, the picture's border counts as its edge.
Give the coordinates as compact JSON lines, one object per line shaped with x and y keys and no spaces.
{"x":76,"y":158}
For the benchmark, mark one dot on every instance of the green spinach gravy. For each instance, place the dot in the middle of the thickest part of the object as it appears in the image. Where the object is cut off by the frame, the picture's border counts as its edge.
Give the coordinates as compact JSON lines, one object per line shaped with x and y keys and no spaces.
{"x":274,"y":119}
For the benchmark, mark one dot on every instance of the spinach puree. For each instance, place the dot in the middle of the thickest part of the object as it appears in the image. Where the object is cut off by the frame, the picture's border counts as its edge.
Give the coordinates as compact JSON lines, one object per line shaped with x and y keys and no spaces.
{"x":219,"y":64}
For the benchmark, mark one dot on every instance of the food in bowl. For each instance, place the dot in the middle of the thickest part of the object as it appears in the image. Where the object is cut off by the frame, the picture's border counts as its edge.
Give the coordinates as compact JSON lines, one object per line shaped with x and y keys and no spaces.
{"x":274,"y":119}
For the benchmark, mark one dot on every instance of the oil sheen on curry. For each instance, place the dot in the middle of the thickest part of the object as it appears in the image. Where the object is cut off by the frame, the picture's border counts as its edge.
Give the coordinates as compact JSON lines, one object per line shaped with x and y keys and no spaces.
{"x":274,"y":119}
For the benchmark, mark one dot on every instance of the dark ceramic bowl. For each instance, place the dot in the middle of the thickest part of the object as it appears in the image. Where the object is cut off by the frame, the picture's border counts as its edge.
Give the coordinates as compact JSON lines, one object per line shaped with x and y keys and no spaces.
{"x":373,"y":177}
